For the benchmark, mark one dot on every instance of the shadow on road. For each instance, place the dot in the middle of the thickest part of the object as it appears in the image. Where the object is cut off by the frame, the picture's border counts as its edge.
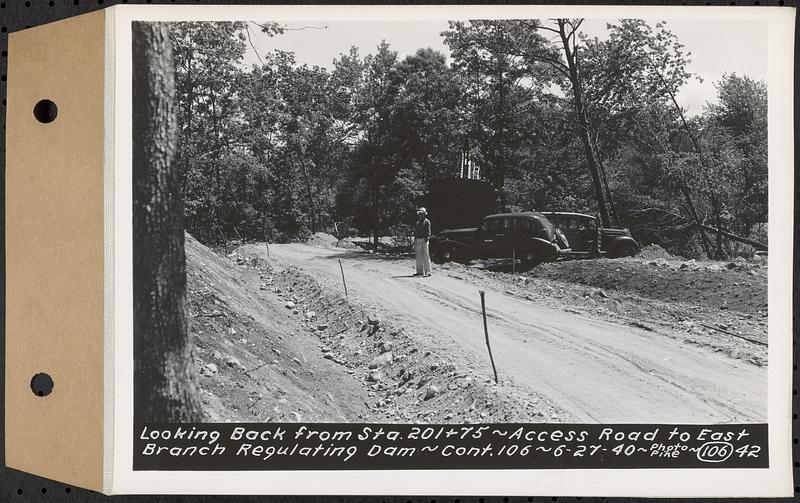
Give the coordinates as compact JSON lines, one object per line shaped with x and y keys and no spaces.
{"x":494,"y":265}
{"x":359,"y":255}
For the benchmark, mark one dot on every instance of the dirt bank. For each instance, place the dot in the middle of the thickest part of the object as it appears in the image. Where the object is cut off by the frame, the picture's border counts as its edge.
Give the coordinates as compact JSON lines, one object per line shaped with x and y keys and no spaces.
{"x":273,"y":345}
{"x":738,"y":286}
{"x":253,"y":363}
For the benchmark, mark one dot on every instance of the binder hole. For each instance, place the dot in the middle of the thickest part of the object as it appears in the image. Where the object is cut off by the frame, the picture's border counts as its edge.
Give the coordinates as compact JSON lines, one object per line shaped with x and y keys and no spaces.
{"x":41,"y":384}
{"x":45,"y":111}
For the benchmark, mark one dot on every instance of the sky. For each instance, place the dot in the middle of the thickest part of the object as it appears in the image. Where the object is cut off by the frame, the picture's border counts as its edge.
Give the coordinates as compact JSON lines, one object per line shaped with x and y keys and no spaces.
{"x":716,"y":46}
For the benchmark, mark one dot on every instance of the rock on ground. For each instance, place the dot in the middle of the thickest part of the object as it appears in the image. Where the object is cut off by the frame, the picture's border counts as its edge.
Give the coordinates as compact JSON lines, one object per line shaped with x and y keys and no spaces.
{"x":432,"y":391}
{"x":381,"y":361}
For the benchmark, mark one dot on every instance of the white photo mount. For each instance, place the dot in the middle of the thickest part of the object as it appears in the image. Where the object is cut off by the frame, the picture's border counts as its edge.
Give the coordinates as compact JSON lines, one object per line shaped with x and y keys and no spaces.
{"x":72,"y":179}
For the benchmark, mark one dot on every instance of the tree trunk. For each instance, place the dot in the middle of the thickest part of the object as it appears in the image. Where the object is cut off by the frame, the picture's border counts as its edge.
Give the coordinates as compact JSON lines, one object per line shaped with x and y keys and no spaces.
{"x":219,"y":201}
{"x":719,"y":254}
{"x":697,"y":148}
{"x":184,"y":150}
{"x":375,"y":200}
{"x":583,"y":124}
{"x":165,"y":388}
{"x":604,"y":178}
{"x":751,"y":242}
{"x":500,"y":165}
{"x":661,"y":148}
{"x":696,"y":217}
{"x":311,"y":206}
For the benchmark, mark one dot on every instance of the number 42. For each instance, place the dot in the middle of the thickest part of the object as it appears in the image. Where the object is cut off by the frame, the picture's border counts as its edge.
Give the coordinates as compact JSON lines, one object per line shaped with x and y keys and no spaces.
{"x":748,"y":451}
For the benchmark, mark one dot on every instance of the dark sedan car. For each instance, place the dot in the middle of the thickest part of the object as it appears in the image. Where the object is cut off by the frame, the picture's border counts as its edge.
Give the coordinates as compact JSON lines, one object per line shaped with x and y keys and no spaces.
{"x":581,"y":232}
{"x":526,"y":235}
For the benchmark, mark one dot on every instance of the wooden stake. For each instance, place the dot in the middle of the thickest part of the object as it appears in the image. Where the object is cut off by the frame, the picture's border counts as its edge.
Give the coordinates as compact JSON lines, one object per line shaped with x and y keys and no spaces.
{"x":486,"y":331}
{"x":513,"y":261}
{"x":343,"y":281}
{"x":267,"y":243}
{"x":224,"y":239}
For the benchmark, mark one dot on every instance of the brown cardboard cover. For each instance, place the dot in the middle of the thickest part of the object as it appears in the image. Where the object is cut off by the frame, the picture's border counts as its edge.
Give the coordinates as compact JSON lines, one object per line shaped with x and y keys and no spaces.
{"x":54,"y":251}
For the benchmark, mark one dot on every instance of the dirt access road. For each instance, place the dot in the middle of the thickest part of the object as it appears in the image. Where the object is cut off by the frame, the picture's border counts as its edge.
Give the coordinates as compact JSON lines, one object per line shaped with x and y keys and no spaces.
{"x":596,"y":370}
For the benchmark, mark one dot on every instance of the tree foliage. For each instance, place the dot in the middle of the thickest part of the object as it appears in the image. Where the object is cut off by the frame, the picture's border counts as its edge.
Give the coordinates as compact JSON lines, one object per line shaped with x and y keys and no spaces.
{"x":556,"y":120}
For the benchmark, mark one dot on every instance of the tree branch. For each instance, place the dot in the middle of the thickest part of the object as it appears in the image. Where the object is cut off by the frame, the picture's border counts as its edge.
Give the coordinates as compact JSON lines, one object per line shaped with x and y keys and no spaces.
{"x":247,"y":30}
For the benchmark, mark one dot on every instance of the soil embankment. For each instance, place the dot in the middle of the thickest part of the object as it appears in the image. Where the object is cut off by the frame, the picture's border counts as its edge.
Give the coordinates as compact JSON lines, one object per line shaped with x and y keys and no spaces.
{"x":274,"y":345}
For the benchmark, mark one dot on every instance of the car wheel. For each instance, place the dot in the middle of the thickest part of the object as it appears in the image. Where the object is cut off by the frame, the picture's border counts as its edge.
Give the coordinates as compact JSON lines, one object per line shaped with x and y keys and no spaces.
{"x":626,"y":250}
{"x":444,"y":255}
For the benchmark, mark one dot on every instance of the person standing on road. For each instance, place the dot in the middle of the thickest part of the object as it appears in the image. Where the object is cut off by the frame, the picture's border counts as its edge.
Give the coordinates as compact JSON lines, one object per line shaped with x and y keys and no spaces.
{"x":422,"y":232}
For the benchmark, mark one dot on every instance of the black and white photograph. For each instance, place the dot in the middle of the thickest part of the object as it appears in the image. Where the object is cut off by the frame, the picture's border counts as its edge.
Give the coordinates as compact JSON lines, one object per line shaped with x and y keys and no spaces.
{"x":347,"y":190}
{"x":555,"y":221}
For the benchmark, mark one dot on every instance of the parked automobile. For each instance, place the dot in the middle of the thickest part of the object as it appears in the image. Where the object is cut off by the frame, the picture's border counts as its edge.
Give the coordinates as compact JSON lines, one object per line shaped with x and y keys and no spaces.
{"x":581,"y":231}
{"x":527,"y":235}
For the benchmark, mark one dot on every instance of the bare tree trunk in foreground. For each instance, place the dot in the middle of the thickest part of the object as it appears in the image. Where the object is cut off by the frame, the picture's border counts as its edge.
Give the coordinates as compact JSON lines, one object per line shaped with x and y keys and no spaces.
{"x":165,"y":382}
